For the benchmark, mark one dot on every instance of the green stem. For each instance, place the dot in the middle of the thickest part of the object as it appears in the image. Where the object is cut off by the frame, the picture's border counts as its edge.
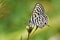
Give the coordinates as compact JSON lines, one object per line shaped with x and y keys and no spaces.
{"x":28,"y":36}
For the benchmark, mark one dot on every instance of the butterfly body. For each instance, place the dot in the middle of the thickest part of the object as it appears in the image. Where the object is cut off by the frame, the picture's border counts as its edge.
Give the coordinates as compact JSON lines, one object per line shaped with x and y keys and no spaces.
{"x":38,"y":18}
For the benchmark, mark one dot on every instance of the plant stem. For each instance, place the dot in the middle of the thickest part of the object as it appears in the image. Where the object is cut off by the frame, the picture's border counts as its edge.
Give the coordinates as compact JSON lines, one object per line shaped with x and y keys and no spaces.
{"x":28,"y":36}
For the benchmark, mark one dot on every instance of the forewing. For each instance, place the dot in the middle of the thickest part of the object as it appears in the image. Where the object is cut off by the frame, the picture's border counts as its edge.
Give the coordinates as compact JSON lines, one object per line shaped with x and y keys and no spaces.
{"x":38,"y":17}
{"x":38,"y":9}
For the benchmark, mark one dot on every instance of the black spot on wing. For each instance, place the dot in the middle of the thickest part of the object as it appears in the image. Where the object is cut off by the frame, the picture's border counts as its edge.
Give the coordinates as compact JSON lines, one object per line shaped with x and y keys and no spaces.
{"x":35,"y":15}
{"x":39,"y":17}
{"x":35,"y":21}
{"x":38,"y":13}
{"x":37,"y":10}
{"x":45,"y":22}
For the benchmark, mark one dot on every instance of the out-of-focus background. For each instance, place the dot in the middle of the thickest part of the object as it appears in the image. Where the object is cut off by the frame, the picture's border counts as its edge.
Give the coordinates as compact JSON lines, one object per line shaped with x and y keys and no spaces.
{"x":15,"y":14}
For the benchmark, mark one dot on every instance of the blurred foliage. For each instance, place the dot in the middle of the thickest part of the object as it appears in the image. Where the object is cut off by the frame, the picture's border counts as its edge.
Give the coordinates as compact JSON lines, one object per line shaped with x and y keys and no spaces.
{"x":15,"y":14}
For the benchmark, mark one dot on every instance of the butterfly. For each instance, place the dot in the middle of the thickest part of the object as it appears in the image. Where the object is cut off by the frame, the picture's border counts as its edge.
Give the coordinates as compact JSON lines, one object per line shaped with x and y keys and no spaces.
{"x":39,"y":17}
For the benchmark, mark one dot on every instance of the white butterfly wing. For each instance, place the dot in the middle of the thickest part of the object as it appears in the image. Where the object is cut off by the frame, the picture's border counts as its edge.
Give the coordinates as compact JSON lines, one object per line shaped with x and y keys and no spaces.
{"x":39,"y":17}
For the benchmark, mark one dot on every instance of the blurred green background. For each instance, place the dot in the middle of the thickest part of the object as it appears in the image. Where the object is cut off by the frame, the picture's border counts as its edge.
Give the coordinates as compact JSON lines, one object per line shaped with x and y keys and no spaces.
{"x":15,"y":14}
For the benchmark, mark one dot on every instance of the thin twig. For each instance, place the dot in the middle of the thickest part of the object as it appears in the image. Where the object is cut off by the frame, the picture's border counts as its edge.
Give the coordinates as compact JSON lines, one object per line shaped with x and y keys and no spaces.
{"x":21,"y":38}
{"x":28,"y":36}
{"x":29,"y":31}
